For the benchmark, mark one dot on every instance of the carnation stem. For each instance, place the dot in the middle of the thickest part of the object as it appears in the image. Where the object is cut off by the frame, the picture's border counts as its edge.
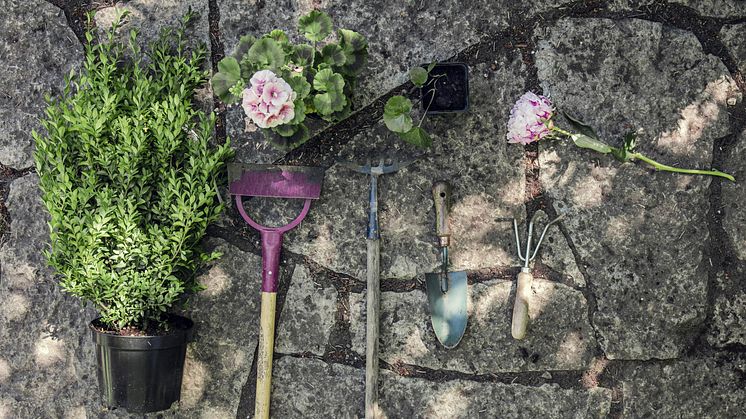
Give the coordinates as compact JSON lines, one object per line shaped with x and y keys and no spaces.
{"x":660,"y":166}
{"x":666,"y":168}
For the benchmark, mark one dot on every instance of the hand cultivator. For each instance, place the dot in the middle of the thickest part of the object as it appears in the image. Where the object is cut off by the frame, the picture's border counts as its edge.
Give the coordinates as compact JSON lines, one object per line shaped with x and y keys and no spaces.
{"x":276,"y":182}
{"x":373,"y":236}
{"x":525,"y":278}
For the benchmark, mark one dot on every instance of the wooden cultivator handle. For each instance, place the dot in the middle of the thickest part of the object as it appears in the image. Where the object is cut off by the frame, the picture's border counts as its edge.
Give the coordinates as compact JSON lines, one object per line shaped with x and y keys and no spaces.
{"x":520,"y":308}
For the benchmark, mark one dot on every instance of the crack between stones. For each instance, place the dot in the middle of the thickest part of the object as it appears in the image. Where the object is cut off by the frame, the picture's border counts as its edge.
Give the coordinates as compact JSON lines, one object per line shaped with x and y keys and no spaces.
{"x":7,"y":176}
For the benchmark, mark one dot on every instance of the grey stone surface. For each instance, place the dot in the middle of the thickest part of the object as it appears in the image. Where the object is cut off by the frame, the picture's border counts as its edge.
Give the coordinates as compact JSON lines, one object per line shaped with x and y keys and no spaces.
{"x":729,"y":312}
{"x":36,"y":52}
{"x":709,"y":388}
{"x":486,"y":177}
{"x":403,"y":397}
{"x":717,"y":8}
{"x":46,"y":356}
{"x":641,"y":235}
{"x":559,"y":335}
{"x":733,"y":197}
{"x":150,"y":18}
{"x":732,"y":37}
{"x":307,"y":315}
{"x":226,"y":316}
{"x":22,"y":262}
{"x":556,"y":252}
{"x":309,"y":388}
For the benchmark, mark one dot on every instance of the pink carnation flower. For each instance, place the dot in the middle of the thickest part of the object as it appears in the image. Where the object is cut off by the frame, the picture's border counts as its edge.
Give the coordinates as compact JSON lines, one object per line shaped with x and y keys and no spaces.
{"x":530,"y":119}
{"x":269,"y":100}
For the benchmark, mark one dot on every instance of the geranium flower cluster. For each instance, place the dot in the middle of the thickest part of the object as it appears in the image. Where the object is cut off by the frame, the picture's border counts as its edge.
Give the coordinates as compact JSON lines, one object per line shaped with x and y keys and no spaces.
{"x":269,"y":100}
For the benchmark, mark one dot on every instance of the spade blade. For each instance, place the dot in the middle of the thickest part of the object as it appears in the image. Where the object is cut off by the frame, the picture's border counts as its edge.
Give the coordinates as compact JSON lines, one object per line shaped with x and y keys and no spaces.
{"x":447,"y":310}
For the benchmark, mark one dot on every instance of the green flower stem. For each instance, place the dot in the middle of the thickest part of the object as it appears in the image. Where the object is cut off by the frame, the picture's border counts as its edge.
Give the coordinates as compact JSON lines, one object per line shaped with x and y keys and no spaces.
{"x":666,"y":168}
{"x":659,"y":166}
{"x":560,"y":130}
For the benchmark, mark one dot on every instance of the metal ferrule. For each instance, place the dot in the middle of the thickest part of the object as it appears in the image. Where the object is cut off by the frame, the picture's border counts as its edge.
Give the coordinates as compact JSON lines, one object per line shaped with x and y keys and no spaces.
{"x":373,"y":232}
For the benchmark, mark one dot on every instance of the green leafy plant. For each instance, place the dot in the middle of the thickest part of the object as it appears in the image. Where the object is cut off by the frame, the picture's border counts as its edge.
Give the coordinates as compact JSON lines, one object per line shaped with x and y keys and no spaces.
{"x":398,"y":109}
{"x":311,"y":78}
{"x":129,"y":178}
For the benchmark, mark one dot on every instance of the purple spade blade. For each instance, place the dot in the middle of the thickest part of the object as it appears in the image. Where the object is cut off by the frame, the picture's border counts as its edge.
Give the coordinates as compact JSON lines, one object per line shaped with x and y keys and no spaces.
{"x":275,"y":181}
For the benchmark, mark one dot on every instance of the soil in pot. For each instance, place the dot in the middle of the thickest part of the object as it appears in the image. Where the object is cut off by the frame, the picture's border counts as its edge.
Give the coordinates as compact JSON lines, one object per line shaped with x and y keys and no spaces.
{"x":451,"y":89}
{"x":141,"y":373}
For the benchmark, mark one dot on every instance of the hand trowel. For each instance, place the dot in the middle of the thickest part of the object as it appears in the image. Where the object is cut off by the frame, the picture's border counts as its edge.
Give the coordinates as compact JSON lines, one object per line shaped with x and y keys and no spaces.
{"x":446,"y":291}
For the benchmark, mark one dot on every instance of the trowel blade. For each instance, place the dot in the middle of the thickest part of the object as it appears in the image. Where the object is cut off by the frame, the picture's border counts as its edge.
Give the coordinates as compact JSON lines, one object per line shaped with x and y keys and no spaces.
{"x":447,"y":310}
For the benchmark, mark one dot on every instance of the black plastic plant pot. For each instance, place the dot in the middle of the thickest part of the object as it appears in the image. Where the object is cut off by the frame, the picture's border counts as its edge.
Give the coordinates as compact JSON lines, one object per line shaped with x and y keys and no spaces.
{"x":141,"y":373}
{"x":447,"y":89}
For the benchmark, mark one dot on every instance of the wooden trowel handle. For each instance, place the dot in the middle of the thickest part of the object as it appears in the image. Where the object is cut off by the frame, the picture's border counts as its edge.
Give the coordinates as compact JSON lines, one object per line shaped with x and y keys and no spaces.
{"x":520,"y":308}
{"x":442,"y":197}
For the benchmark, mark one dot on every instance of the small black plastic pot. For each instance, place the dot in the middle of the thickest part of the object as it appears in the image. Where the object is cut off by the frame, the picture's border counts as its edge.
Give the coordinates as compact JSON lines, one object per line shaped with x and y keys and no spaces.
{"x":446,"y":89}
{"x":141,"y":373}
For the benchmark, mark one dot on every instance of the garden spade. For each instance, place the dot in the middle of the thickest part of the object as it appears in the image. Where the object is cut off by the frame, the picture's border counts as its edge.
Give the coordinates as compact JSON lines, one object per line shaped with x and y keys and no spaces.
{"x":446,"y":291}
{"x":297,"y":182}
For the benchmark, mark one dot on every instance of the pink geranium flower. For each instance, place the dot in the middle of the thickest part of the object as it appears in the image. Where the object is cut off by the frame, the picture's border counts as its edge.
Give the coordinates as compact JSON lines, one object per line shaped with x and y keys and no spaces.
{"x":269,"y":100}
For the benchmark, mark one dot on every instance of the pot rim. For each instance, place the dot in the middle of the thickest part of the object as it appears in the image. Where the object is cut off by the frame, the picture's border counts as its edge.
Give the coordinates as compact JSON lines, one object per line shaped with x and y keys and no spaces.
{"x":178,"y":337}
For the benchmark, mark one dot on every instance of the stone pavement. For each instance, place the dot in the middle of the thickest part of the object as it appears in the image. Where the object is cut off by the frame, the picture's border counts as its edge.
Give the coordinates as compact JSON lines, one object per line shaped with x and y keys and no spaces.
{"x":640,"y":299}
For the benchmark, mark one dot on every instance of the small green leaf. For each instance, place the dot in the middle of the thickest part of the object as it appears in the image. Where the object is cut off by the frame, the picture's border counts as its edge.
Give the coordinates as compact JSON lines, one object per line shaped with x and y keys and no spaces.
{"x":333,"y":55}
{"x":228,"y":76}
{"x":266,"y":53}
{"x":628,"y":146}
{"x":396,"y":114}
{"x":286,"y":143}
{"x":417,"y":136}
{"x":229,"y":66}
{"x":431,"y":66}
{"x":355,"y":48}
{"x":244,"y":44}
{"x":584,"y":141}
{"x":299,"y":85}
{"x":418,"y":76}
{"x":286,"y":130}
{"x":328,"y":103}
{"x":352,"y":40}
{"x":327,"y":80}
{"x":581,"y":127}
{"x":300,"y":112}
{"x":279,"y":36}
{"x":315,"y":26}
{"x":303,"y":55}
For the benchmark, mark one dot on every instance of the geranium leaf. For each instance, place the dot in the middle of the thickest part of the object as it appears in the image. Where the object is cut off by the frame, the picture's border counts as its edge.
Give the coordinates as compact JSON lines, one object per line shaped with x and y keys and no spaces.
{"x":315,"y":26}
{"x":355,"y":48}
{"x":299,"y":85}
{"x":279,"y":36}
{"x":299,"y":137}
{"x":286,"y":130}
{"x":303,"y":54}
{"x":417,"y":136}
{"x":244,"y":44}
{"x":266,"y":53}
{"x":396,"y":114}
{"x":327,"y":80}
{"x":333,"y":55}
{"x":228,"y":76}
{"x":418,"y":76}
